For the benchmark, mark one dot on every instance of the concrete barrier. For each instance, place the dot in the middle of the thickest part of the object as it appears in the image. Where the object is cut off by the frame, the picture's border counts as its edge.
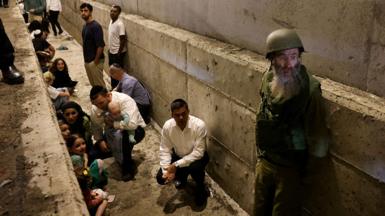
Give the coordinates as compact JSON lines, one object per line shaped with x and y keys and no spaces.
{"x":50,"y":186}
{"x":221,"y":82}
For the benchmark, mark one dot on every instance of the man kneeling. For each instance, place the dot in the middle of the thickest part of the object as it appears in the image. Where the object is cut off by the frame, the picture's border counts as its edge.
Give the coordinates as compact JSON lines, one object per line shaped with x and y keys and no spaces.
{"x":183,"y":150}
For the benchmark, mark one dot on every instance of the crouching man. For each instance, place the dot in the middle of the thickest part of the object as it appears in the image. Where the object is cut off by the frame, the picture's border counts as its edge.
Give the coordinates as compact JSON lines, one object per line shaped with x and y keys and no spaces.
{"x":183,"y":150}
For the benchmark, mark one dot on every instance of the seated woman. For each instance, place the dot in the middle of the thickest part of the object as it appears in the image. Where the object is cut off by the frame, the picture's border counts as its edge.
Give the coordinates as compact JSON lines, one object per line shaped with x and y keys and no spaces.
{"x":79,"y":123}
{"x":59,"y":69}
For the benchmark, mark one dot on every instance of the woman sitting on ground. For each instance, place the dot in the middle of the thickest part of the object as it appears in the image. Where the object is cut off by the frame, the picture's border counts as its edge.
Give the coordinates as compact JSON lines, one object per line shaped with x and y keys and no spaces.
{"x":59,"y":69}
{"x":79,"y":123}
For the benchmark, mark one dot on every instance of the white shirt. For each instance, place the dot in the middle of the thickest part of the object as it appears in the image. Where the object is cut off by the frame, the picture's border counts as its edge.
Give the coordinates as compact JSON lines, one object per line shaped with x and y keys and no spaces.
{"x":53,"y":5}
{"x":126,"y":105}
{"x":53,"y":92}
{"x":115,"y":30}
{"x":189,"y":144}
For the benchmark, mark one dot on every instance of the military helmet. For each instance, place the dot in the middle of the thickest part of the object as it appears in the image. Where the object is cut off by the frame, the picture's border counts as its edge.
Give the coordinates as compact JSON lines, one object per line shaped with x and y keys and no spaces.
{"x":282,"y":39}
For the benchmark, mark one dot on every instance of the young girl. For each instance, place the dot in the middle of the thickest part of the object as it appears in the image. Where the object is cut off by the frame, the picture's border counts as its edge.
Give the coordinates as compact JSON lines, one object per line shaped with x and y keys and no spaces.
{"x":90,"y":178}
{"x":60,"y":70}
{"x":59,"y":96}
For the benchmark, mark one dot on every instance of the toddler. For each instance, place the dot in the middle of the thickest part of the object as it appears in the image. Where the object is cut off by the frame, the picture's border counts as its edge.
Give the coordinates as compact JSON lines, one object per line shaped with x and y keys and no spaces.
{"x":116,"y":114}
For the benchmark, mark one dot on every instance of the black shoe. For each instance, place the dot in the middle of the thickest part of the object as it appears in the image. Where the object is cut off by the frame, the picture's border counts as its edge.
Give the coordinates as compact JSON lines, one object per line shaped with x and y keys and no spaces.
{"x":6,"y":6}
{"x":127,"y":177}
{"x":12,"y":76}
{"x":60,"y":32}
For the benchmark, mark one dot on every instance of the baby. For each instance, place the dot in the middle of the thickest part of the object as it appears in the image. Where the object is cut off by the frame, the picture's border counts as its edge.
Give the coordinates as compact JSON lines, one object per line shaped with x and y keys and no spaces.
{"x":116,"y":114}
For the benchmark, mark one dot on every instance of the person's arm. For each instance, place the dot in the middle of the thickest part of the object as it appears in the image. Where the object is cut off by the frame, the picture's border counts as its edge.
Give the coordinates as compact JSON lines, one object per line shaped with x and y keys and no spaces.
{"x":198,"y":150}
{"x":97,"y":122}
{"x":101,"y":208}
{"x":51,"y":51}
{"x":99,"y":52}
{"x":165,"y":152}
{"x":123,"y":40}
{"x":99,"y":43}
{"x":64,"y":94}
{"x":122,"y":37}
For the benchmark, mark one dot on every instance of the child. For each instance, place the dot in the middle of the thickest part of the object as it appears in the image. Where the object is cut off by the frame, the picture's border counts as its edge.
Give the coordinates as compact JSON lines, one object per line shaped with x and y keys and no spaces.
{"x":65,"y":130}
{"x":115,"y":113}
{"x":58,"y":96}
{"x":89,"y":178}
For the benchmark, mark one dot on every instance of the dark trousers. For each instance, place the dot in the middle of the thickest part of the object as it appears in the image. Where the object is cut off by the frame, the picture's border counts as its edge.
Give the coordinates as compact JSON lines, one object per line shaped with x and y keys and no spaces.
{"x":6,"y":49}
{"x":144,"y":111}
{"x":5,"y":2}
{"x":196,"y":170}
{"x":115,"y":58}
{"x":128,"y":165}
{"x":53,"y":19}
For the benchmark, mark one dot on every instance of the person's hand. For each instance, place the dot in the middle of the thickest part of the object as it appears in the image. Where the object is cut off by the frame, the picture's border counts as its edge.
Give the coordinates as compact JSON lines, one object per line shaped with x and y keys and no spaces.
{"x":169,"y":175}
{"x":31,"y":10}
{"x":103,"y":146}
{"x":109,"y":121}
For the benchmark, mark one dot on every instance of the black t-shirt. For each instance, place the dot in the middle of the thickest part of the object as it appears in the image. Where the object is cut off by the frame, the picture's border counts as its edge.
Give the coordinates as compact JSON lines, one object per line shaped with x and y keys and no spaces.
{"x":40,"y":44}
{"x":92,"y":35}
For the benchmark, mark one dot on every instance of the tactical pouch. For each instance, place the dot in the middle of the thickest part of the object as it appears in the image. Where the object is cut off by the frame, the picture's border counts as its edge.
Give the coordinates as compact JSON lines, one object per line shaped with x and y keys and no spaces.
{"x":272,"y":135}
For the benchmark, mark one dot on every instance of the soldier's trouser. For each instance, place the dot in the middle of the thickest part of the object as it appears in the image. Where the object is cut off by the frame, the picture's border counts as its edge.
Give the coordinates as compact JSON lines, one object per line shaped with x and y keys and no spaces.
{"x":277,"y":190}
{"x":6,"y":49}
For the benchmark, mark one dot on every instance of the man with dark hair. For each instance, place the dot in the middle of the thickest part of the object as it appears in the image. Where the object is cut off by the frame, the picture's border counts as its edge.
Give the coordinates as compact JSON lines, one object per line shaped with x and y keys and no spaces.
{"x":8,"y":69}
{"x":116,"y":40}
{"x":132,"y":87}
{"x":290,"y":124}
{"x":112,"y":136}
{"x":93,"y":45}
{"x":183,"y":150}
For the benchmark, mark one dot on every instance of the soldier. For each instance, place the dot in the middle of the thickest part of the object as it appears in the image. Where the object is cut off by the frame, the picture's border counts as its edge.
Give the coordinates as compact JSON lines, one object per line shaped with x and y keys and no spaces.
{"x":290,"y":124}
{"x":10,"y":74}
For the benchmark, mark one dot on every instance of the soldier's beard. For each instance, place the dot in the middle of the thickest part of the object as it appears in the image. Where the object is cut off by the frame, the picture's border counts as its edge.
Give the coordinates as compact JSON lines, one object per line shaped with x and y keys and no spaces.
{"x":285,"y":86}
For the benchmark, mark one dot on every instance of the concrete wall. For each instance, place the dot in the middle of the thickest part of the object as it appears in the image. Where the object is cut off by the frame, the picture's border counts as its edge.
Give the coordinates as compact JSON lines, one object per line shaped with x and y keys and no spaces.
{"x":50,"y":186}
{"x":221,"y":81}
{"x":344,"y":39}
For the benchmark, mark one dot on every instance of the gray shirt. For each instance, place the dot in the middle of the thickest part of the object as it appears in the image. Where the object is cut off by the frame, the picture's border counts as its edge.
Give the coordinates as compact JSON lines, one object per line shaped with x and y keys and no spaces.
{"x":131,"y":86}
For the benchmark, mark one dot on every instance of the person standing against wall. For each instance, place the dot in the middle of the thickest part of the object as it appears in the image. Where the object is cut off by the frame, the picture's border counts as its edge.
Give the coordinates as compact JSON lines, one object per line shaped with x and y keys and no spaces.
{"x":53,"y":10}
{"x":93,"y":45}
{"x":117,"y":40}
{"x":290,"y":124}
{"x":35,"y":8}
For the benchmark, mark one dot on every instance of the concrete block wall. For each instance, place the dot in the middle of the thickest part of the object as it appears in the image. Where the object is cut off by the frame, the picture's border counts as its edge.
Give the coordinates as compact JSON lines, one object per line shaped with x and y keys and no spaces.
{"x":336,"y":49}
{"x":221,"y":82}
